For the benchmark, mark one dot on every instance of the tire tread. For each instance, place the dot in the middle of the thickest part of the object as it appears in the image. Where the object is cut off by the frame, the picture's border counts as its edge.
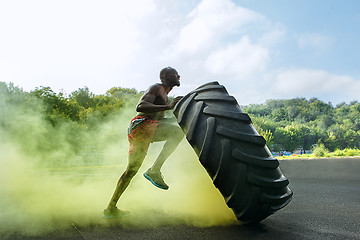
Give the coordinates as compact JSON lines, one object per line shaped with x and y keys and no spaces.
{"x":233,"y":153}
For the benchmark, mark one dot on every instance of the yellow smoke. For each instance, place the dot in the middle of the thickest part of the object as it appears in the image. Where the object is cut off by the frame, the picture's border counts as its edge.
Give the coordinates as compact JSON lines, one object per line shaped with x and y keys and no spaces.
{"x":35,"y":197}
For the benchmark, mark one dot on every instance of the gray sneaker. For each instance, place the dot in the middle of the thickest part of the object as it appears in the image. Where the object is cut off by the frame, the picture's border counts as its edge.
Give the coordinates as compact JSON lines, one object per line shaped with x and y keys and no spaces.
{"x":114,"y":213}
{"x":156,"y":179}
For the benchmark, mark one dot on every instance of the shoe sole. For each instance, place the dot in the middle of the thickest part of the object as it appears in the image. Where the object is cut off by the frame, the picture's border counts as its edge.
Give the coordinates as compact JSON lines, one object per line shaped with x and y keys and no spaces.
{"x":156,"y":185}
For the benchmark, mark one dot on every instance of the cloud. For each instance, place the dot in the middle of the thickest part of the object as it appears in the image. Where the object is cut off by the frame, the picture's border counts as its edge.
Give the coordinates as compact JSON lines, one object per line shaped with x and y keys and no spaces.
{"x":272,"y":34}
{"x":220,"y":40}
{"x":70,"y":44}
{"x":315,"y":41}
{"x":242,"y":59}
{"x":209,"y":22}
{"x":316,"y":83}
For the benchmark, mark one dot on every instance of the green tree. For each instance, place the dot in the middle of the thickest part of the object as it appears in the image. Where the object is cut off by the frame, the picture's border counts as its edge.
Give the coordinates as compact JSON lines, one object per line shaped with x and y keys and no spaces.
{"x":279,"y":114}
{"x":121,"y":93}
{"x":324,"y":121}
{"x":293,"y":112}
{"x":83,"y":97}
{"x":57,"y":106}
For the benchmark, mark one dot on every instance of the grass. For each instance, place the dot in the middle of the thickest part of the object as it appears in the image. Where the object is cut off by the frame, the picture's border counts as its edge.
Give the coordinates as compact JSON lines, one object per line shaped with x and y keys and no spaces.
{"x":320,"y":151}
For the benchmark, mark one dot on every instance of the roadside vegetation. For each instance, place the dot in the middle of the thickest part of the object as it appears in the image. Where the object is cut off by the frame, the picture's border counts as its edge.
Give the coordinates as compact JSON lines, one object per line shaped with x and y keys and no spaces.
{"x":292,"y":126}
{"x":299,"y":125}
{"x":320,"y":151}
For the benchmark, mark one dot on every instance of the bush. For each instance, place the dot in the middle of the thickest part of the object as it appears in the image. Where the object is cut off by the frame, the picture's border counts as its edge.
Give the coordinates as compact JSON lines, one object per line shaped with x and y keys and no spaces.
{"x":320,"y":151}
{"x":351,"y":152}
{"x":339,"y":153}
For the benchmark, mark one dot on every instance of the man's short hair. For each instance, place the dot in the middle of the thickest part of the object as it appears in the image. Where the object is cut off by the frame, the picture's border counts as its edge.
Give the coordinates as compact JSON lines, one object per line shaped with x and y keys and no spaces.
{"x":166,"y":71}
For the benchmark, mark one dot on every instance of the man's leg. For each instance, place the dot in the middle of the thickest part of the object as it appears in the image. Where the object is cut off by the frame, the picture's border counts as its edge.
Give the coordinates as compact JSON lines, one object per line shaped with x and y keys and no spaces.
{"x":170,"y":133}
{"x":173,"y":136}
{"x":136,"y":158}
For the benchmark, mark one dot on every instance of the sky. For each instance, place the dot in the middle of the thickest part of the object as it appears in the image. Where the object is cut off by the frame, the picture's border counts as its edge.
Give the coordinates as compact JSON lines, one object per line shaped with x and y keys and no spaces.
{"x":257,"y":49}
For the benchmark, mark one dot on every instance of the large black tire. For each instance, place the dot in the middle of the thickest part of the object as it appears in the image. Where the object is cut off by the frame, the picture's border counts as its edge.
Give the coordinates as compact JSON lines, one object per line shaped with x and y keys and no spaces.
{"x":233,"y":153}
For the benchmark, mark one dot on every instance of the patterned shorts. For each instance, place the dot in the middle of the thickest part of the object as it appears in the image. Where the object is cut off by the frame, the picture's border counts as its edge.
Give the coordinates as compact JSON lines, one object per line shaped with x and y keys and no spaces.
{"x":141,"y":133}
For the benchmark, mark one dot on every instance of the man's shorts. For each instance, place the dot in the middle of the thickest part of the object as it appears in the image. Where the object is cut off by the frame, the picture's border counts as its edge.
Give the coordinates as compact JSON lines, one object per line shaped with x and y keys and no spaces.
{"x":141,"y":133}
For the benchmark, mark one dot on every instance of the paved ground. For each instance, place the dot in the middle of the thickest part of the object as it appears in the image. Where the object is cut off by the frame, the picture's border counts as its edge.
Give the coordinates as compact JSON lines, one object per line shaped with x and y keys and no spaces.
{"x":326,"y":205}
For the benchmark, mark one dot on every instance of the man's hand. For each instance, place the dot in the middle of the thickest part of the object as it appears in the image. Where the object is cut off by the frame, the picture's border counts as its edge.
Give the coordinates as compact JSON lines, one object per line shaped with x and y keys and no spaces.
{"x":175,"y":101}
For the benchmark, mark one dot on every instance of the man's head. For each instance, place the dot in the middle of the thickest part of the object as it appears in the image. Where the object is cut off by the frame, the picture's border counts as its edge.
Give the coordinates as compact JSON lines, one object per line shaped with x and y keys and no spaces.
{"x":170,"y":76}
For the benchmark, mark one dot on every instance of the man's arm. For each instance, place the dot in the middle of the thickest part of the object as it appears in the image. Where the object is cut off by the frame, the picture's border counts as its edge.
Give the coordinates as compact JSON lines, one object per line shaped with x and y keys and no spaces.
{"x":147,"y":101}
{"x":148,"y":107}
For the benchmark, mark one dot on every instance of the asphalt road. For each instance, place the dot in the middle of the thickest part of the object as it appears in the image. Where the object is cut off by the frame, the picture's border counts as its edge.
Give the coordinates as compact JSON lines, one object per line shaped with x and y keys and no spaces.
{"x":326,"y":205}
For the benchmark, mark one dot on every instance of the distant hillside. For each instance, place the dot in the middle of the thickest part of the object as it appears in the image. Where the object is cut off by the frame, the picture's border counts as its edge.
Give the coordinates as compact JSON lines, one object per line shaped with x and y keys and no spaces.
{"x":290,"y":124}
